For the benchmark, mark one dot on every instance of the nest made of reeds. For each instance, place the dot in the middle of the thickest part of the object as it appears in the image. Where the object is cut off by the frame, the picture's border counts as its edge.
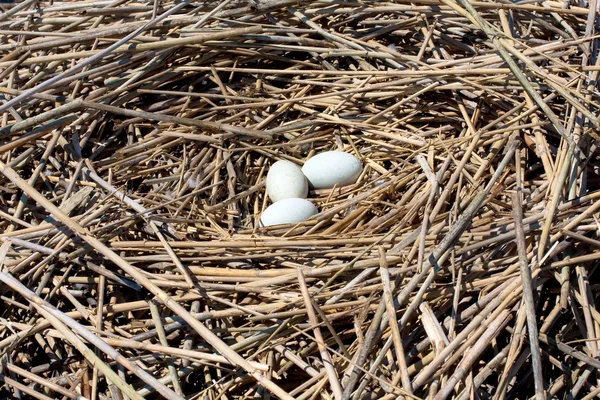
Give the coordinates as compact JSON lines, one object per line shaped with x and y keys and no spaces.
{"x":134,"y":144}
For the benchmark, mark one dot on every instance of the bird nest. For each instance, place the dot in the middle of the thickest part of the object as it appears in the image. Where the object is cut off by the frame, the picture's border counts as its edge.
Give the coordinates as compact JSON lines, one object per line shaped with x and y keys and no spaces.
{"x":134,"y":145}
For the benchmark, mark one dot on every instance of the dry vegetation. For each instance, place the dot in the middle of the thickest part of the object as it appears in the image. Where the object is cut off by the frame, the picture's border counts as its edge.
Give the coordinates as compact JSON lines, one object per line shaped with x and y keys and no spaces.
{"x":134,"y":144}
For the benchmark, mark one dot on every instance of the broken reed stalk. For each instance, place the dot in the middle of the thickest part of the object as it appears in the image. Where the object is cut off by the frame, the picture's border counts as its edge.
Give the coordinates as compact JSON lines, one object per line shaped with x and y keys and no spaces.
{"x":528,"y":296}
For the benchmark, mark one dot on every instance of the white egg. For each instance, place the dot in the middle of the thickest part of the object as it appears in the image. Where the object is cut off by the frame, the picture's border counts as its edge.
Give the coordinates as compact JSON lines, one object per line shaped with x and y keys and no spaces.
{"x":332,"y":168}
{"x":285,"y":180}
{"x":288,"y":211}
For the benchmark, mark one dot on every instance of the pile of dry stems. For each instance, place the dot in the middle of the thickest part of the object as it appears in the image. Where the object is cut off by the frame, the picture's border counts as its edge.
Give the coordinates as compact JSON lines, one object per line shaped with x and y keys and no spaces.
{"x":135,"y":138}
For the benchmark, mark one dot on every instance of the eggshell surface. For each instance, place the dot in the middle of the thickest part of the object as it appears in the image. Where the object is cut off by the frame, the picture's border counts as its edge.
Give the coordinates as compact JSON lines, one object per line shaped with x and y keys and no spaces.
{"x":285,"y":180}
{"x":332,"y":168}
{"x":288,"y":211}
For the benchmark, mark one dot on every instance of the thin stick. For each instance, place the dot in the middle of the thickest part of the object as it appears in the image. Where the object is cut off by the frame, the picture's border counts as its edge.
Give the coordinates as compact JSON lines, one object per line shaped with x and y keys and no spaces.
{"x":327,"y":361}
{"x":528,"y":297}
{"x":388,"y":298}
{"x":163,"y":340}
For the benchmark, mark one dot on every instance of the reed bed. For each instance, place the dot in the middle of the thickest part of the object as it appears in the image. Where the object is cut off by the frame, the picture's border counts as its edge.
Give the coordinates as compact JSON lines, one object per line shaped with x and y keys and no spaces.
{"x":134,"y":144}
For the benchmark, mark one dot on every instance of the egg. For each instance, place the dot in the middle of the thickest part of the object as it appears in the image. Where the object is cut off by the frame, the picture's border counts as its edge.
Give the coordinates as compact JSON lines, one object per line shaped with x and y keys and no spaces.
{"x":285,"y":180}
{"x":288,"y":211}
{"x":332,"y":168}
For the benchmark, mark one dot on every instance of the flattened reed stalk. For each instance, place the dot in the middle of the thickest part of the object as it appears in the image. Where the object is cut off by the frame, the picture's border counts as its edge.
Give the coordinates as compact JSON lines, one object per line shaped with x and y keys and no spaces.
{"x":134,"y":144}
{"x":528,"y":296}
